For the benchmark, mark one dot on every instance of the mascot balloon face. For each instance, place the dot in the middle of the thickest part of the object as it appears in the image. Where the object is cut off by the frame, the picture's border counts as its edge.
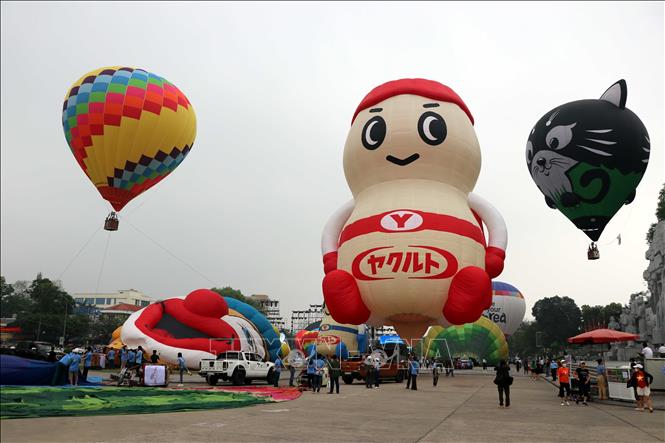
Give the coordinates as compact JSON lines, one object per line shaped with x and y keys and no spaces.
{"x":201,"y":325}
{"x":409,"y":249}
{"x":588,"y":156}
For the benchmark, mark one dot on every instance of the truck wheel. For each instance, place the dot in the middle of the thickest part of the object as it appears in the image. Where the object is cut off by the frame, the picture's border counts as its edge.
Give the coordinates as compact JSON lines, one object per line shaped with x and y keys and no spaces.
{"x":347,"y":378}
{"x":212,"y":379}
{"x":271,"y":377}
{"x":238,"y":377}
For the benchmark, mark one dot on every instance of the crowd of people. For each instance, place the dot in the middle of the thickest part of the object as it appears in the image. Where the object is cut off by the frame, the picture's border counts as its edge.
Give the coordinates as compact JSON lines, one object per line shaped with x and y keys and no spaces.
{"x":573,"y":386}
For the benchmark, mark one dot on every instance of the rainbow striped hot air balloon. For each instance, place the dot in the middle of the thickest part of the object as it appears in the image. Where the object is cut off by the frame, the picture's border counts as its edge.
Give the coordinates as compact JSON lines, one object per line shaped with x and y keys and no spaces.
{"x":128,"y":129}
{"x":480,"y":339}
{"x":508,"y":307}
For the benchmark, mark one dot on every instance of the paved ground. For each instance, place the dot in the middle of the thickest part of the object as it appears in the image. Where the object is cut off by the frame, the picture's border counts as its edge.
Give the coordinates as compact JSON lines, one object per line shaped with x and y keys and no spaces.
{"x":460,"y":409}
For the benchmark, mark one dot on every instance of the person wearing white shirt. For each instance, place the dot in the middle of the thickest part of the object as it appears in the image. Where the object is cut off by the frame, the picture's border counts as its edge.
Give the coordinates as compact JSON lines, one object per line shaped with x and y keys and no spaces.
{"x":646,"y":351}
{"x":661,"y":350}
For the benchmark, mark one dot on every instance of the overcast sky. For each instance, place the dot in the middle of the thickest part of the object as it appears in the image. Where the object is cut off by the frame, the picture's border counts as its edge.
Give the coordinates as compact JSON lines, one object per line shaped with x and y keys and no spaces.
{"x":274,"y":86}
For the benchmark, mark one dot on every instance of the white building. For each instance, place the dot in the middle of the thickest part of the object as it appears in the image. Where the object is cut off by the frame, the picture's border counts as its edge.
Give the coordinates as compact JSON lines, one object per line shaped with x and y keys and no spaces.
{"x":303,"y":318}
{"x":108,"y":299}
{"x":271,"y":309}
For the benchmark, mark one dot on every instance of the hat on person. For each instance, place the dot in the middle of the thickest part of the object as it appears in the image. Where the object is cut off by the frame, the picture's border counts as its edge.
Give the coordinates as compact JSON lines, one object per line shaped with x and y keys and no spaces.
{"x":638,"y":366}
{"x":582,"y":363}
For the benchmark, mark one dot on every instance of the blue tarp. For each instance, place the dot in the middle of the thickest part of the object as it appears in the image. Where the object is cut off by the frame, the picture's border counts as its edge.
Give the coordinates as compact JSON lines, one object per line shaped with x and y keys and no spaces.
{"x":26,"y":372}
{"x":390,"y":339}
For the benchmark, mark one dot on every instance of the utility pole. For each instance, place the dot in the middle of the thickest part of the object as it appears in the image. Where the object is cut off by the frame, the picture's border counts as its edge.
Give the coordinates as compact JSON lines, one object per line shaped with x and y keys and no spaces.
{"x":64,"y":328}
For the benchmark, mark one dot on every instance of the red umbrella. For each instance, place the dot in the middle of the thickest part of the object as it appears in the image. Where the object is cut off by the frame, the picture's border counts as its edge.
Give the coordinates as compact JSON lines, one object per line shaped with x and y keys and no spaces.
{"x":603,"y":336}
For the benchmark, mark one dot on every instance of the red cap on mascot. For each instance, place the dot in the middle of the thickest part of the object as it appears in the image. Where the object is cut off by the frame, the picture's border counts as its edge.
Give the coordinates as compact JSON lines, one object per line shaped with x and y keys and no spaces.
{"x":414,"y":86}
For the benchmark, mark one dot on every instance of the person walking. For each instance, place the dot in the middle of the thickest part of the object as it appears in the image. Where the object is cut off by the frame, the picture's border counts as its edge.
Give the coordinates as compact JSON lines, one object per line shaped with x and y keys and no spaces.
{"x":641,"y":380}
{"x":335,"y":370}
{"x":154,"y":358}
{"x":123,"y":357}
{"x":377,"y":373}
{"x":518,"y":365}
{"x":182,"y":367}
{"x":110,"y":358}
{"x":75,"y":362}
{"x":554,"y":367}
{"x":319,"y":364}
{"x":61,"y":369}
{"x":601,"y":379}
{"x":278,"y":371}
{"x":484,"y":364}
{"x":369,"y":365}
{"x":583,"y":383}
{"x":87,"y":362}
{"x":413,"y":373}
{"x":563,"y":374}
{"x":311,"y":373}
{"x":408,"y":371}
{"x":526,"y":367}
{"x":292,"y":374}
{"x":435,"y":373}
{"x":131,"y":358}
{"x":503,"y":380}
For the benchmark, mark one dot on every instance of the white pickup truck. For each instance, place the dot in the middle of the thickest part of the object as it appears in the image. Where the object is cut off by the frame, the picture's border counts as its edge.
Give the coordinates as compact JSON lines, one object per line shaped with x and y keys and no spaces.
{"x":237,"y":366}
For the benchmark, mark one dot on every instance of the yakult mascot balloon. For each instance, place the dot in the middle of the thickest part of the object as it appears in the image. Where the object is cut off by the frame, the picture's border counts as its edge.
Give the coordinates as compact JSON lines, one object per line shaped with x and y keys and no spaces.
{"x":409,"y":249}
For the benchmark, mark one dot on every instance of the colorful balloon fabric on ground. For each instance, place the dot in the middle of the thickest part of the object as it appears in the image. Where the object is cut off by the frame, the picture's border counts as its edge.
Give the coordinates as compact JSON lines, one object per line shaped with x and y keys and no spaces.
{"x":128,"y":129}
{"x":508,"y":307}
{"x":480,"y":339}
{"x":587,"y":158}
{"x":24,"y":402}
{"x":201,"y":325}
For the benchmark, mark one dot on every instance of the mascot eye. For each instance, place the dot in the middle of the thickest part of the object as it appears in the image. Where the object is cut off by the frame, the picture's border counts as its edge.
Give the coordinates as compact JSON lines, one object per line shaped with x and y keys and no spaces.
{"x":529,"y":151}
{"x":432,"y":128}
{"x":559,"y":136}
{"x":374,"y":132}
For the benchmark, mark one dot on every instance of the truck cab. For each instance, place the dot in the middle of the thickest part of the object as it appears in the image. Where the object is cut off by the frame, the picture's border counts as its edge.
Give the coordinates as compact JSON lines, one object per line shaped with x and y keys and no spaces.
{"x":239,"y":367}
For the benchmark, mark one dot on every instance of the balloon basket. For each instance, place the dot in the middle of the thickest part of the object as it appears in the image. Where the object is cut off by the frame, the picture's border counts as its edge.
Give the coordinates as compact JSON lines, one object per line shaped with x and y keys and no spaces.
{"x":592,"y":252}
{"x":111,"y":223}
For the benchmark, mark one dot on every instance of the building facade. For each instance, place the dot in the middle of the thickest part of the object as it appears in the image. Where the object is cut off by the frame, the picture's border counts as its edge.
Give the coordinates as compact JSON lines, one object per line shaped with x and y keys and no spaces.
{"x":302,"y":318}
{"x":109,"y":299}
{"x":271,"y":310}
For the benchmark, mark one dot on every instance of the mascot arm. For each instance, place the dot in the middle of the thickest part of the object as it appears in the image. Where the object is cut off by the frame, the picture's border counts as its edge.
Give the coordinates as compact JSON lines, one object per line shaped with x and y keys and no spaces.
{"x":331,"y":233}
{"x":495,"y":252}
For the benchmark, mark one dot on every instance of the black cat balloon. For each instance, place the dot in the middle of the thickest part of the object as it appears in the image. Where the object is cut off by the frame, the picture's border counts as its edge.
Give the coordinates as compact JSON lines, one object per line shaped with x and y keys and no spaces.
{"x":588,"y":156}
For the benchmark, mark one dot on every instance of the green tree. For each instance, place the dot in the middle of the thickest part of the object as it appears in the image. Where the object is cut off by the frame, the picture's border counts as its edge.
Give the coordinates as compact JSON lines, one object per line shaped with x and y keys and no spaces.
{"x":557,"y":318}
{"x":228,"y":291}
{"x":593,"y":317}
{"x":103,"y":327}
{"x":660,"y":214}
{"x":14,"y":300}
{"x":612,"y":310}
{"x":44,"y":308}
{"x":523,"y":340}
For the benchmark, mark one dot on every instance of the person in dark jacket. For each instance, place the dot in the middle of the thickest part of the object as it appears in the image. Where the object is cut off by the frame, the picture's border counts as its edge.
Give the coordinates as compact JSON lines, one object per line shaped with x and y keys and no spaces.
{"x":334,"y":369}
{"x":503,"y":380}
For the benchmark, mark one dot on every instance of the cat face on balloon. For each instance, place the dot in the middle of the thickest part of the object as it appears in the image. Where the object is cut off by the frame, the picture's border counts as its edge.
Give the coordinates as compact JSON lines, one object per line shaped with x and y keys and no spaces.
{"x":600,"y":134}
